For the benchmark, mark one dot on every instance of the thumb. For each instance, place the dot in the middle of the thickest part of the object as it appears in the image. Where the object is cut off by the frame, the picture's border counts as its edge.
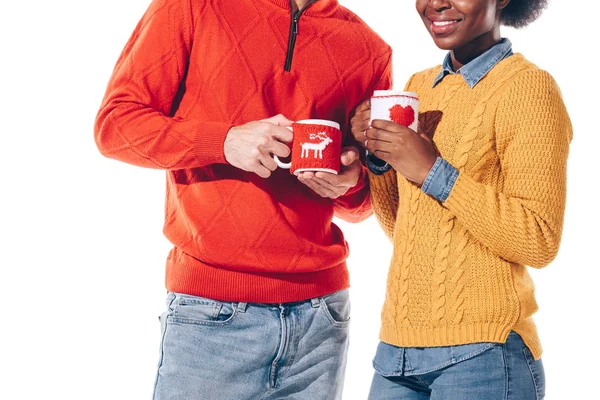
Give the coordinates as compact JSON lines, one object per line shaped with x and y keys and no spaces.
{"x":349,"y":155}
{"x":423,"y":134}
{"x":279,"y":120}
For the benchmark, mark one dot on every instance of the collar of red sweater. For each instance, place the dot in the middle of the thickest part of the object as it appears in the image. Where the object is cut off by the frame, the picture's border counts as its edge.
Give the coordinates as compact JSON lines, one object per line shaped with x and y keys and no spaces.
{"x":320,"y":8}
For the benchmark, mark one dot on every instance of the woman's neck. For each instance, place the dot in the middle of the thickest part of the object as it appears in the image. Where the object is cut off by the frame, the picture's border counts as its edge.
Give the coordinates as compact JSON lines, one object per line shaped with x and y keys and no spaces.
{"x":476,"y":47}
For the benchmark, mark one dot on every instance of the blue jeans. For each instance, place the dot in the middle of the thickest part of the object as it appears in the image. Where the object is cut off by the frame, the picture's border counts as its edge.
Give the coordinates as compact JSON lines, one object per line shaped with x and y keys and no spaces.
{"x":214,"y":350}
{"x":489,"y":371}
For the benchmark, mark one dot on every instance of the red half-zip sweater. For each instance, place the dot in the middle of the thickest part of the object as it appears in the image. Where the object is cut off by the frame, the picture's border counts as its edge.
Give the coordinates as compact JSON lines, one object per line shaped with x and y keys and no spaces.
{"x":193,"y":69}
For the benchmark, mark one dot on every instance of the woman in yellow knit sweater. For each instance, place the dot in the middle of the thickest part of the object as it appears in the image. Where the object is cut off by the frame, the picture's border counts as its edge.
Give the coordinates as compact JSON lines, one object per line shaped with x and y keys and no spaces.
{"x":470,"y":201}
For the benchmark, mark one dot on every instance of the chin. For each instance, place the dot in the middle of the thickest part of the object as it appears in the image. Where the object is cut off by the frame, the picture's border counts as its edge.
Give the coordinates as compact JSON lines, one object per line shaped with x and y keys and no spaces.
{"x":444,"y":43}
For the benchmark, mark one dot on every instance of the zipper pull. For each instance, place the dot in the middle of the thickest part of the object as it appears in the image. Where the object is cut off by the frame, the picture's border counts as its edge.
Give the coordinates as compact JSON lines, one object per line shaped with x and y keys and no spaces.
{"x":295,"y":25}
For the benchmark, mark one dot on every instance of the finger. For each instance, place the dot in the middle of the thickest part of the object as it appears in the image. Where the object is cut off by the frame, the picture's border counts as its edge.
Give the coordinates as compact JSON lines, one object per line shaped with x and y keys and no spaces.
{"x":261,"y":170}
{"x":329,"y":187}
{"x":381,"y":135}
{"x":322,"y":190}
{"x":312,"y":185}
{"x":282,"y":134}
{"x":326,"y":192}
{"x":277,"y":148}
{"x":361,"y":118}
{"x":279,"y":120}
{"x":306,"y":175}
{"x":378,"y":145}
{"x":389,"y":126}
{"x":365,"y":106}
{"x":425,"y":137}
{"x":268,"y":162}
{"x":349,"y":155}
{"x":328,"y":180}
{"x":339,"y":186}
{"x":359,"y":126}
{"x":383,"y":155}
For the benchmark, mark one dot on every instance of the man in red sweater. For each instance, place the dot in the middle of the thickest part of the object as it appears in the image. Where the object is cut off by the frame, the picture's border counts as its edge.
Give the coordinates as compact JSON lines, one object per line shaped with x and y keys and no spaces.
{"x":258,"y":302}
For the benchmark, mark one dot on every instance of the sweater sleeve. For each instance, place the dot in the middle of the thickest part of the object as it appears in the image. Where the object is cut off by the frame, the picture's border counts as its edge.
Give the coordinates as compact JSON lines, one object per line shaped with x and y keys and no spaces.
{"x":523,"y":221}
{"x":135,"y":123}
{"x":384,"y":194}
{"x":355,"y":205}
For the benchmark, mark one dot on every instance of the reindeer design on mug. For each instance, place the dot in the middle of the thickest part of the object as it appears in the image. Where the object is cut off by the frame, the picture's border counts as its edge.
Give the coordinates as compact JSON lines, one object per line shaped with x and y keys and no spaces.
{"x":316,"y":147}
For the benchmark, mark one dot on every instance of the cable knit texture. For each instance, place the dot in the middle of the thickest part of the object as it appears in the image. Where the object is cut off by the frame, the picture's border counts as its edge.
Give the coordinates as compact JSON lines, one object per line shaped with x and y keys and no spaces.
{"x":458,"y":272}
{"x":192,"y":70}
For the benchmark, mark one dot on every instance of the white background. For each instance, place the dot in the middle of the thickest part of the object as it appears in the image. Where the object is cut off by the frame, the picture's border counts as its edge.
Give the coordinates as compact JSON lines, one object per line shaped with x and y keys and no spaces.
{"x":82,"y":254}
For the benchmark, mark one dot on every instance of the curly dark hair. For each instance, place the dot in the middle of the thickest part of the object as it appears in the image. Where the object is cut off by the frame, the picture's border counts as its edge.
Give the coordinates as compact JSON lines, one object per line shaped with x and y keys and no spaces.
{"x":520,"y":13}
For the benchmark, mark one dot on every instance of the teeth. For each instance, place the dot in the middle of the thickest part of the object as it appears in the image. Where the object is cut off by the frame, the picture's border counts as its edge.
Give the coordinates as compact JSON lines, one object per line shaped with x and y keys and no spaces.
{"x":443,"y":23}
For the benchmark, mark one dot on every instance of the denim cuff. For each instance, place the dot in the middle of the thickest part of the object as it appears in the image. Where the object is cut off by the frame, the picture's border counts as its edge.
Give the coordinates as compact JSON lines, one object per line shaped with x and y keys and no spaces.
{"x":440,"y":180}
{"x":376,"y":165}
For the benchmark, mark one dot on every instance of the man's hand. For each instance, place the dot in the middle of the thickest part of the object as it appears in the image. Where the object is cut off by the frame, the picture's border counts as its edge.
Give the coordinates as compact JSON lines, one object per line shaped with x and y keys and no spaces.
{"x":360,"y":122}
{"x":333,"y":186}
{"x":249,"y":146}
{"x":410,"y":153}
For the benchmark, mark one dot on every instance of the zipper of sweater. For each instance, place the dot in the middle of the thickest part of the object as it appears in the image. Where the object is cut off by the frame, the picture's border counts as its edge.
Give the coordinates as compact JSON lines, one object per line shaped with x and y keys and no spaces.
{"x":292,"y":40}
{"x":293,"y":33}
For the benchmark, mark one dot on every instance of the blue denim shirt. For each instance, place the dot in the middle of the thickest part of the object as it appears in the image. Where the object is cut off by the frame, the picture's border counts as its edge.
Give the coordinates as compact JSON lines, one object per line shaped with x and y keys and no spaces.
{"x":395,"y":361}
{"x":441,"y":177}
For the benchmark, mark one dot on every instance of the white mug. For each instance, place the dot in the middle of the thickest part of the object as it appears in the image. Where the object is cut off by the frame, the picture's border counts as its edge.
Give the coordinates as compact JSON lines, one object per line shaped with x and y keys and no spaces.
{"x":397,"y":106}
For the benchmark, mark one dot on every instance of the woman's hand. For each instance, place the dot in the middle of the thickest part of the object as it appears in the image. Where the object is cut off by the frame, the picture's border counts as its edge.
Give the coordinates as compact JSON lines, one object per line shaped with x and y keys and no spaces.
{"x":360,"y":122}
{"x":410,"y":153}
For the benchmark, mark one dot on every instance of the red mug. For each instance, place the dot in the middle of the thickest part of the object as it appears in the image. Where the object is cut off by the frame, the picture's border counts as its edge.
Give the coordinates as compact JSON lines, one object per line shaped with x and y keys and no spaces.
{"x":317,"y":146}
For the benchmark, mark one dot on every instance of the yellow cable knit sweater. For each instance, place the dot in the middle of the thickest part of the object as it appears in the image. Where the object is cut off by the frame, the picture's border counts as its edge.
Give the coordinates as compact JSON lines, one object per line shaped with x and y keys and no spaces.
{"x":458,"y":271}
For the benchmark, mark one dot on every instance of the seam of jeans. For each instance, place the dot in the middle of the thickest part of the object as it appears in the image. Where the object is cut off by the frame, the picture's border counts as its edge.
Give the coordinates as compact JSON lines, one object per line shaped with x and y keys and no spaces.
{"x":172,"y":297}
{"x":276,"y":366}
{"x":337,"y":324}
{"x":527,"y":355}
{"x":186,"y":301}
{"x":217,"y":310}
{"x":162,"y":354}
{"x":162,"y":348}
{"x":506,"y":381}
{"x":400,"y":362}
{"x":293,"y":344}
{"x":406,"y":365}
{"x":422,"y":379}
{"x":190,"y":321}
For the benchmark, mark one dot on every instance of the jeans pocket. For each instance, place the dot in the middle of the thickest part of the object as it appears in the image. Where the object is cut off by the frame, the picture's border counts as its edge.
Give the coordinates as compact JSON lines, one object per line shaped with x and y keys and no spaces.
{"x":201,"y":311}
{"x":336,"y":307}
{"x":537,"y":374}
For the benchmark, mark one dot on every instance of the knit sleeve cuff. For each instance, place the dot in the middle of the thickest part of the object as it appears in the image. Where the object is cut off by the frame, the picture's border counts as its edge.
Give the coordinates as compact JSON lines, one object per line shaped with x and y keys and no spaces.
{"x":210,"y":141}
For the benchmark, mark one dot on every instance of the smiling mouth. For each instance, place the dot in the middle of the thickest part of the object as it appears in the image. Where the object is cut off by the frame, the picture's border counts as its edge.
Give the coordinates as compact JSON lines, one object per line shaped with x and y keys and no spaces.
{"x":444,"y":27}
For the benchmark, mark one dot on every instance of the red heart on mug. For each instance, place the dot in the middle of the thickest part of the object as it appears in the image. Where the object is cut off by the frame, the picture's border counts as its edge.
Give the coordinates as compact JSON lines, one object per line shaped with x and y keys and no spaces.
{"x":402,"y":115}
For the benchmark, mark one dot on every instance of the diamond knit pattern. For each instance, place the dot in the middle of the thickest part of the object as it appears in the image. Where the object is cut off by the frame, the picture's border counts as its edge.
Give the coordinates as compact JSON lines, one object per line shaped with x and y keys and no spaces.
{"x":466,"y":280}
{"x":193,"y":69}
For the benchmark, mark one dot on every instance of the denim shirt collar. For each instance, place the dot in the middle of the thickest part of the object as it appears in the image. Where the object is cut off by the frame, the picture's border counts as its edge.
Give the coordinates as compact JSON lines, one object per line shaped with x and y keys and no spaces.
{"x":477,"y":68}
